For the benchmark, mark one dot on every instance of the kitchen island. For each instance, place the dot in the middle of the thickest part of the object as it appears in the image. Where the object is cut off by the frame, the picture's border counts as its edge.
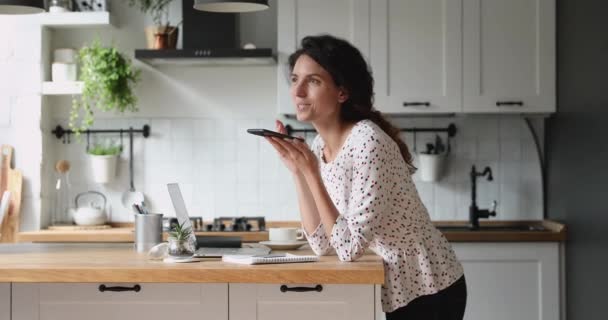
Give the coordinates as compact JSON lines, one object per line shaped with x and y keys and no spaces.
{"x":112,"y":281}
{"x":503,"y":267}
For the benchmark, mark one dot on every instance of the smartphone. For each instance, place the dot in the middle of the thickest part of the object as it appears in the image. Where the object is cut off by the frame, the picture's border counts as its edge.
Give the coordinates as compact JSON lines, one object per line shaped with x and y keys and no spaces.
{"x":268,"y":133}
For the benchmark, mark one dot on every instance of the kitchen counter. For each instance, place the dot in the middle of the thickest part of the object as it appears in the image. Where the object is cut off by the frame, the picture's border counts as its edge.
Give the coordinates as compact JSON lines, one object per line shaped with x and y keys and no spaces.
{"x":71,"y":263}
{"x":553,"y":231}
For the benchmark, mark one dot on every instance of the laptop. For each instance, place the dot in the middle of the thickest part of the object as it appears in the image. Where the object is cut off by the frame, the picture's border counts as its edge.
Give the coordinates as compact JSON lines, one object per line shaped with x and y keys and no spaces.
{"x":205,"y":252}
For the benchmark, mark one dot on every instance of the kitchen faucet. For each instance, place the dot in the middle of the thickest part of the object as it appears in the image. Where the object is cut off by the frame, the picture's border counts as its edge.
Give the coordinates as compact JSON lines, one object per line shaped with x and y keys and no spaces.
{"x":474,"y":212}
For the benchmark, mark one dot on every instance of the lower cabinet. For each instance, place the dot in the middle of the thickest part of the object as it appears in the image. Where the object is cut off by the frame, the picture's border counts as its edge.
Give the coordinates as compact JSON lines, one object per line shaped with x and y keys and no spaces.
{"x":5,"y":301}
{"x":42,"y":301}
{"x":512,"y":280}
{"x":301,"y":301}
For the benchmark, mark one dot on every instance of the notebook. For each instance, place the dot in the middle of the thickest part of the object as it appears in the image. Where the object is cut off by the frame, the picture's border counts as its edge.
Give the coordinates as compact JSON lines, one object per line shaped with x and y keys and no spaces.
{"x":268,"y":258}
{"x":205,"y":252}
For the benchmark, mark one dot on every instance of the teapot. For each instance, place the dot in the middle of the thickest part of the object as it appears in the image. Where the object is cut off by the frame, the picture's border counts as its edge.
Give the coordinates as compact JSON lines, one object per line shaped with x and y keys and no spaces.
{"x":93,"y":214}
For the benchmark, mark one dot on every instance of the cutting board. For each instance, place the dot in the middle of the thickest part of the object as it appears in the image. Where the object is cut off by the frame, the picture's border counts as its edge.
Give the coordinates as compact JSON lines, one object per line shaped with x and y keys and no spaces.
{"x":11,"y":180}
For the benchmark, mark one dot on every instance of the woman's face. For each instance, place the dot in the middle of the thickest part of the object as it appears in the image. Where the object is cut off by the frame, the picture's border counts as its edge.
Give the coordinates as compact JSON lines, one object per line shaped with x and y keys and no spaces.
{"x":313,"y":91}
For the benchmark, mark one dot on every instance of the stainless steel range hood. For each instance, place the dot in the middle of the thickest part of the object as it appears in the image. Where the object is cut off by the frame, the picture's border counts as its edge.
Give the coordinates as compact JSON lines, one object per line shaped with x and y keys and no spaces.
{"x":209,"y":38}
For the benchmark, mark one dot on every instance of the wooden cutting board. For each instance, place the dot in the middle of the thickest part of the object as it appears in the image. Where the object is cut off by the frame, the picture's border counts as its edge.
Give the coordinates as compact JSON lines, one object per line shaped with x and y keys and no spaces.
{"x":11,"y":180}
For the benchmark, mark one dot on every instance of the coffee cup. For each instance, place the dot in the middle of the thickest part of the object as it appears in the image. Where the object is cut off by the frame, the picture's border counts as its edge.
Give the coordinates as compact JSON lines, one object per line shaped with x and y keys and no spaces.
{"x":285,"y":234}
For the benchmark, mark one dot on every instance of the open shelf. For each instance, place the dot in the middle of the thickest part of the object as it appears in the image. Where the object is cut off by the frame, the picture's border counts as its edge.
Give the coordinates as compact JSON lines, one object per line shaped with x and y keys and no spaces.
{"x":50,"y":88}
{"x":76,"y":19}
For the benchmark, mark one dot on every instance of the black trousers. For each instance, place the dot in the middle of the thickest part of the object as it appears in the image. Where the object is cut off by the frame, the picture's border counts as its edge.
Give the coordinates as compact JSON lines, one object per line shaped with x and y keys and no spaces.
{"x":447,"y":304}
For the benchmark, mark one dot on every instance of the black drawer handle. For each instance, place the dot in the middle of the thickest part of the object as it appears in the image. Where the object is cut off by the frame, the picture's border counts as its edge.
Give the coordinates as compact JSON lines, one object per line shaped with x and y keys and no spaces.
{"x":317,"y":288}
{"x":416,"y":104}
{"x":509,"y":103}
{"x":104,"y":288}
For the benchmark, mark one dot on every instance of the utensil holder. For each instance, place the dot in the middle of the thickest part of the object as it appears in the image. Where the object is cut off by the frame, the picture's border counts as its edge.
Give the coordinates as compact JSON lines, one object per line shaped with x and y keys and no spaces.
{"x":148,"y":231}
{"x":432,"y":166}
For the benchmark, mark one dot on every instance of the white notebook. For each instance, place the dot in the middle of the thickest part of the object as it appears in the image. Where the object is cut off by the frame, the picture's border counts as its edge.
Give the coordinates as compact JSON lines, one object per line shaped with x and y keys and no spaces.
{"x":268,"y":258}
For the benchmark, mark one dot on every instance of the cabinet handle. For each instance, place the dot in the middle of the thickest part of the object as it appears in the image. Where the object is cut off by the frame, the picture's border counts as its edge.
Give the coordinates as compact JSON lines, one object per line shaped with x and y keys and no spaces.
{"x":509,"y":103}
{"x":104,"y":288}
{"x":416,"y":104}
{"x":317,"y":288}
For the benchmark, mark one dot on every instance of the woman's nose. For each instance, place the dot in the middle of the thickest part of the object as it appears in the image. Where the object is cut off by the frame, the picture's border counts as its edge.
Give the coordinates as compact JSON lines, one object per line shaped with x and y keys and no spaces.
{"x":299,"y":89}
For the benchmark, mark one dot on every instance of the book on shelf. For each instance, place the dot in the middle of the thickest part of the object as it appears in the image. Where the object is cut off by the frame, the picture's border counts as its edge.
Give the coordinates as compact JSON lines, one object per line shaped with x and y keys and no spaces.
{"x":268,"y":258}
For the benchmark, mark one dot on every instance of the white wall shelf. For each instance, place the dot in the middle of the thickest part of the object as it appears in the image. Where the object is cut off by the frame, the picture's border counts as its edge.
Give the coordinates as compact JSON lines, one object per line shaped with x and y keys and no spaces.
{"x":76,"y":19}
{"x":50,"y":88}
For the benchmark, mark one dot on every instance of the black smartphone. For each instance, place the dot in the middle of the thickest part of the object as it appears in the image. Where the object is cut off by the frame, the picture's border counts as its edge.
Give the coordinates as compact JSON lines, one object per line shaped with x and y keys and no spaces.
{"x":269,"y":133}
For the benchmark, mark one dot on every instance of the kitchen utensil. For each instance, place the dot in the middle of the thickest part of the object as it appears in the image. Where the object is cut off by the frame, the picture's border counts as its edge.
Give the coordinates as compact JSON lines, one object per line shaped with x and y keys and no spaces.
{"x":131,"y":197}
{"x":11,"y":180}
{"x":94,"y":213}
{"x":6,"y":197}
{"x":61,"y":213}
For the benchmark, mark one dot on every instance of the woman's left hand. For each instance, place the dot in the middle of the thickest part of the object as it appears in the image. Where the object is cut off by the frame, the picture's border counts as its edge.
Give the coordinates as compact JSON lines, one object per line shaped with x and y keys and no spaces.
{"x":297,"y":152}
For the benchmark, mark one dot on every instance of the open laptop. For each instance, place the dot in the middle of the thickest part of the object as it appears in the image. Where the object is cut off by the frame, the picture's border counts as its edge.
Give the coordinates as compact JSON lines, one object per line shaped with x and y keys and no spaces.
{"x":204,"y":252}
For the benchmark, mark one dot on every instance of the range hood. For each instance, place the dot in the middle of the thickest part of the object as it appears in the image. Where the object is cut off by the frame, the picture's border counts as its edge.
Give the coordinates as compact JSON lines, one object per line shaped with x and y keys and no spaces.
{"x":209,"y":38}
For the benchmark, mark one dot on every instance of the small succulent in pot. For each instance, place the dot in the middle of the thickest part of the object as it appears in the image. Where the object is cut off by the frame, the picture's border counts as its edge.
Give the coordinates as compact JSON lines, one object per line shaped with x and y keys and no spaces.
{"x":179,"y":241}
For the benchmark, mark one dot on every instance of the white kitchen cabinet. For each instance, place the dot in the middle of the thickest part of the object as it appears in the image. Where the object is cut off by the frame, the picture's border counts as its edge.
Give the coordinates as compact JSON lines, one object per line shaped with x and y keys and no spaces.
{"x":415,"y":55}
{"x":269,"y":302}
{"x":437,"y":56}
{"x":509,"y":56}
{"x":5,"y":301}
{"x":42,"y":301}
{"x":511,"y":280}
{"x":296,"y":19}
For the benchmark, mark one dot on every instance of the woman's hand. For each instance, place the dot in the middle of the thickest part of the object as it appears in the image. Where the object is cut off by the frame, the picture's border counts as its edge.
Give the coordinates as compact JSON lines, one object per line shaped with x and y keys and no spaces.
{"x":295,"y":154}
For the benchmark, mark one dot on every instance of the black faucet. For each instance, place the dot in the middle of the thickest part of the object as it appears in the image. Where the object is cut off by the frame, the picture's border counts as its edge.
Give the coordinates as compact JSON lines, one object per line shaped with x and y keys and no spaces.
{"x":474,"y":212}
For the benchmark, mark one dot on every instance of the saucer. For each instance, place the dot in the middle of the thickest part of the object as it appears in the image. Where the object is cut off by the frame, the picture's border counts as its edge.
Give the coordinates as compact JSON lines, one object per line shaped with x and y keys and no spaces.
{"x":284,"y":245}
{"x":170,"y":259}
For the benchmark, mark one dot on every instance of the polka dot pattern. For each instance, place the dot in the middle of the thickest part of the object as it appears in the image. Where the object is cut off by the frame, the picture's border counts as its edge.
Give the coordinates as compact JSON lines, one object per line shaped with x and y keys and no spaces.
{"x":371,"y":186}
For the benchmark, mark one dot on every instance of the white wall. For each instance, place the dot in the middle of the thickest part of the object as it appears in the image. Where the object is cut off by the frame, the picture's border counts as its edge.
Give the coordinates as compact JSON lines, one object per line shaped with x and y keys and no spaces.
{"x":198,"y":117}
{"x":20,"y":112}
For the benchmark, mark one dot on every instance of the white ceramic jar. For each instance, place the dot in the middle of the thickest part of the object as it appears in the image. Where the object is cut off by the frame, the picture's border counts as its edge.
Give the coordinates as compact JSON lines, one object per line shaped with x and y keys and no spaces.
{"x":64,"y":66}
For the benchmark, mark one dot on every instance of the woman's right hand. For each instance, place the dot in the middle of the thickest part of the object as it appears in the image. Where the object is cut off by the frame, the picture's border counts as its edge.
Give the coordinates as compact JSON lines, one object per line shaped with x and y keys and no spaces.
{"x":281,"y":151}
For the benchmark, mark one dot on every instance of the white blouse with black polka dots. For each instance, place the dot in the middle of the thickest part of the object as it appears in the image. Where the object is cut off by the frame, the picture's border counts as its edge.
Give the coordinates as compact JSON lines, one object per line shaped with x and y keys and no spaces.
{"x":371,"y":186}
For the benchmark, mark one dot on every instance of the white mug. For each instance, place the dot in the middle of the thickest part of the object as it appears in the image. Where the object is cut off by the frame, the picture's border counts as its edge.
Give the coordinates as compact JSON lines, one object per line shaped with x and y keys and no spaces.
{"x":285,"y":234}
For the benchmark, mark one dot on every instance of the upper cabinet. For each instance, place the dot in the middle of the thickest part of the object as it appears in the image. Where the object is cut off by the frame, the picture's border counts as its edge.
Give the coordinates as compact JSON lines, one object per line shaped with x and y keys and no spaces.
{"x":509,"y":56}
{"x":299,"y":18}
{"x":415,"y":55}
{"x":437,"y":56}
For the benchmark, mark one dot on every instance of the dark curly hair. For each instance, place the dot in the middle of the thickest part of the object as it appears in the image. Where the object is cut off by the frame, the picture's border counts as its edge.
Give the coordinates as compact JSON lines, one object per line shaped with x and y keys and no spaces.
{"x":349,"y":70}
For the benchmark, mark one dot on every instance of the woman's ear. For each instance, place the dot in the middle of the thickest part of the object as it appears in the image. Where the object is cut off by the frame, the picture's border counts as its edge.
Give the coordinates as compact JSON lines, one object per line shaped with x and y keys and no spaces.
{"x":342,"y":95}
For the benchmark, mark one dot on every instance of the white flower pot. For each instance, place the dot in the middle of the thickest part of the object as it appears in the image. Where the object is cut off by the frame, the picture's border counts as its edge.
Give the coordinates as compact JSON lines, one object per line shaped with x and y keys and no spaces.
{"x":432,"y":166}
{"x":103,"y":167}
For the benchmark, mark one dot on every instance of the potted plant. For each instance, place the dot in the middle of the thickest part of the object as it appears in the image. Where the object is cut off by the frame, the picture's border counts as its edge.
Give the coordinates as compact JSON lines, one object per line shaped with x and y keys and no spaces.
{"x":432,"y":161}
{"x":108,"y":80}
{"x":161,"y":35}
{"x":180,"y":244}
{"x":104,"y":157}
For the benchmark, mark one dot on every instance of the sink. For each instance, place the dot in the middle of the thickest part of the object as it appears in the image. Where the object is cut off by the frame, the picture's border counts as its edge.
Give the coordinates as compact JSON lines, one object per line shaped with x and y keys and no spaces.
{"x":497,"y":228}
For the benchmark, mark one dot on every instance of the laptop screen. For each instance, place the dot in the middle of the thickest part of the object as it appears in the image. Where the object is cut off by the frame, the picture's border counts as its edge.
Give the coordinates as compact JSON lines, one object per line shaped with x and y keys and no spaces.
{"x":180,"y":209}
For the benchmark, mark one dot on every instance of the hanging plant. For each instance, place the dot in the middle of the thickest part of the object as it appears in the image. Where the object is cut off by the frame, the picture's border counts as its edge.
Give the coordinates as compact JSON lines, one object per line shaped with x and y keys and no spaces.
{"x":108,"y":79}
{"x":157,"y":8}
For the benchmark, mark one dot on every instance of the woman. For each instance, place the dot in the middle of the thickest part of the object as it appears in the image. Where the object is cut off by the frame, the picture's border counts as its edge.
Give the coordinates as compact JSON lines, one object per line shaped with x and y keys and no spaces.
{"x":355,"y":188}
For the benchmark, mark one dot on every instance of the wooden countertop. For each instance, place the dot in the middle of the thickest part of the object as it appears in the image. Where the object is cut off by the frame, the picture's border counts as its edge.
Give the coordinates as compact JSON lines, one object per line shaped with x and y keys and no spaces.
{"x":27,"y":262}
{"x":554,"y":232}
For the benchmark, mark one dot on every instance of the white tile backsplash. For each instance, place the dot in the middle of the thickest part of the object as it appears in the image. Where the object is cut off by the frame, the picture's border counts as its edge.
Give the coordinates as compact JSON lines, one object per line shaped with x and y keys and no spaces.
{"x":240,"y":174}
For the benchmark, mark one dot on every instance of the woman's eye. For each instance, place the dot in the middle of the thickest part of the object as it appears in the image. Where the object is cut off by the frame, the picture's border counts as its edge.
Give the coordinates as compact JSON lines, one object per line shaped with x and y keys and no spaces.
{"x":293,"y":80}
{"x":315,"y":81}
